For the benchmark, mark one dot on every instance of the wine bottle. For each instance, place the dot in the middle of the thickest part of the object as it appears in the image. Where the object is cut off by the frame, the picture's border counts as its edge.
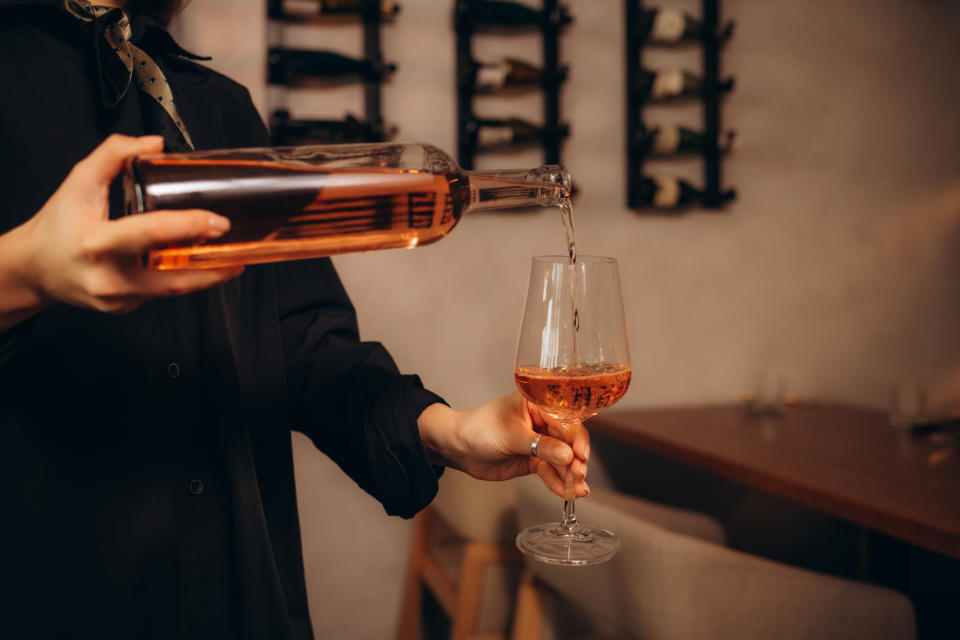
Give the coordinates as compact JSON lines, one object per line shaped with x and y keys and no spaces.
{"x":672,"y":139}
{"x":496,"y":13}
{"x":664,"y":192}
{"x":668,"y":26}
{"x":355,"y":6}
{"x":673,"y":83}
{"x":505,"y":74}
{"x":297,"y":66}
{"x":286,"y":203}
{"x":511,"y":132}
{"x":304,"y":10}
{"x":287,"y":131}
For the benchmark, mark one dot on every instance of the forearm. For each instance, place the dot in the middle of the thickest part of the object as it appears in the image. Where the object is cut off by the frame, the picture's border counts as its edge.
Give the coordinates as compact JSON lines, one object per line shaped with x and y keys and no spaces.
{"x":440,"y":434}
{"x":19,"y":298}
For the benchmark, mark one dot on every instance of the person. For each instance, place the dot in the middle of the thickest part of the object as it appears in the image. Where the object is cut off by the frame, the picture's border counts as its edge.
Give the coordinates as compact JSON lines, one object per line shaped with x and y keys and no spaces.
{"x":145,"y":416}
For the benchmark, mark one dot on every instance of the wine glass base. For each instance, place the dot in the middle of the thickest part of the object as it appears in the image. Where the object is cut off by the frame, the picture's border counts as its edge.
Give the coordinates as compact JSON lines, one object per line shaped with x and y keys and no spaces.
{"x":584,"y":546}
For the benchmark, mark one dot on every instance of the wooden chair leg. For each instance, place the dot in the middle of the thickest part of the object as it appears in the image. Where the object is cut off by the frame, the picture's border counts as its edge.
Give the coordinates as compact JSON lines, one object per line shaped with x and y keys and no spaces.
{"x":469,"y":591}
{"x":528,"y":615}
{"x":461,"y":601}
{"x":477,"y":557}
{"x":412,"y":590}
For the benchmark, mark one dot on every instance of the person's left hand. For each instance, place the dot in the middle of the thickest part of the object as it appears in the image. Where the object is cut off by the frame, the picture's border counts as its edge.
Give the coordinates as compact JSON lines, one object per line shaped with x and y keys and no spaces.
{"x":493,"y":442}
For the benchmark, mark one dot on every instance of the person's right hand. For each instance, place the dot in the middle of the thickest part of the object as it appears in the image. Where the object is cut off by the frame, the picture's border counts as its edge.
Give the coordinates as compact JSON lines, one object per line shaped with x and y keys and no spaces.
{"x":71,"y":252}
{"x":79,"y":256}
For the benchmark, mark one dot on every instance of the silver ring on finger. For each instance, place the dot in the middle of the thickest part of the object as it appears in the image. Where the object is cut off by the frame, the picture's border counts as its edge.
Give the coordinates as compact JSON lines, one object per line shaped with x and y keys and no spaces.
{"x":535,"y":444}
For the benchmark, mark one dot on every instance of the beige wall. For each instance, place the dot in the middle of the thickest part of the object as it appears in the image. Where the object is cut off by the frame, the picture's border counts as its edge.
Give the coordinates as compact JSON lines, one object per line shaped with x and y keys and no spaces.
{"x":839,"y":264}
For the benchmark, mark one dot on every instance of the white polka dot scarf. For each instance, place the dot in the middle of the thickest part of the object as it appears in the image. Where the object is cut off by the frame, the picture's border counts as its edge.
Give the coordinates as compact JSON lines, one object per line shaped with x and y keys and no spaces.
{"x":139,"y":65}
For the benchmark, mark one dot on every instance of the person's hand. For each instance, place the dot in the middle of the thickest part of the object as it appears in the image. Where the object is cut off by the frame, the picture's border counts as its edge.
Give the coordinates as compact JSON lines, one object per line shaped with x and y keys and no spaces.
{"x":78,"y":256}
{"x":493,"y":442}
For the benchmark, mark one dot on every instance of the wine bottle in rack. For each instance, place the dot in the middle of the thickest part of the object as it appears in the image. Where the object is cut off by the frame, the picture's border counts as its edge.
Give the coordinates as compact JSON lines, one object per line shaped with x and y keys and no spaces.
{"x":665,"y":192}
{"x":287,"y":131}
{"x":295,"y":10}
{"x":669,"y":84}
{"x":508,"y":14}
{"x":510,"y":132}
{"x":296,"y":66}
{"x":507,"y":73}
{"x":672,"y":139}
{"x":495,"y":12}
{"x":668,"y":26}
{"x":355,"y":6}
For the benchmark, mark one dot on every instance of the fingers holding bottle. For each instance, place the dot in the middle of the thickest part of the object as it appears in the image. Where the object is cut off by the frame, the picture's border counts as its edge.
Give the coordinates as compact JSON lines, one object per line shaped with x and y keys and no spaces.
{"x":104,"y":163}
{"x":77,"y":255}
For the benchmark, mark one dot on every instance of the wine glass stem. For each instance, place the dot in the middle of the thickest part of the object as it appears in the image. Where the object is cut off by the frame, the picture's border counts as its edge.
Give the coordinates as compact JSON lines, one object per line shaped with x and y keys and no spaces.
{"x":568,"y":521}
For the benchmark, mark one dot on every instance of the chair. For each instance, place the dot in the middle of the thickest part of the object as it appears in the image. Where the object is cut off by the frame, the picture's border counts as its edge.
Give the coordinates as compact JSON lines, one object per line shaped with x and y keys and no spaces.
{"x":463,"y":553}
{"x":672,"y":582}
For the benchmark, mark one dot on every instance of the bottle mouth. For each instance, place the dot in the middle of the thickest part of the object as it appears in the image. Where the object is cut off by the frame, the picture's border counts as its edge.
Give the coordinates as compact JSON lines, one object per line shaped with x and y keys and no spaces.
{"x":555,"y":175}
{"x":558,"y":174}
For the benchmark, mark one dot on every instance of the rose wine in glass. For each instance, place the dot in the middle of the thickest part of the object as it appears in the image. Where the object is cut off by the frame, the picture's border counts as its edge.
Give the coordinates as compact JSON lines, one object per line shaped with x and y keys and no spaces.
{"x":572,"y":362}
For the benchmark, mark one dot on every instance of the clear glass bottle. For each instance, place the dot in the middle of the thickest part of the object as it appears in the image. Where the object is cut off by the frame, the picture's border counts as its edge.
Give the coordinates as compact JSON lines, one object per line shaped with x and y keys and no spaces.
{"x":287,"y":203}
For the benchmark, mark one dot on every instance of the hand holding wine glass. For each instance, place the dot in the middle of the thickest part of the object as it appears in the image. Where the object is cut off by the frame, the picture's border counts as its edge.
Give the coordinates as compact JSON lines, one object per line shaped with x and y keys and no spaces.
{"x":572,"y":362}
{"x":493,"y":442}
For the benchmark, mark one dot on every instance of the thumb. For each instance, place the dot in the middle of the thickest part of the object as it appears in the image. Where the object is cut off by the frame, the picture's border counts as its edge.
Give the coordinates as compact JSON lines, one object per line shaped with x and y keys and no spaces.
{"x":104,"y":163}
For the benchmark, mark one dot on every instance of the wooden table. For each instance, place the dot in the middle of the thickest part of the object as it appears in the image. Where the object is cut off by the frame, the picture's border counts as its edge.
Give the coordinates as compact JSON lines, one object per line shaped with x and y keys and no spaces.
{"x":844,"y":461}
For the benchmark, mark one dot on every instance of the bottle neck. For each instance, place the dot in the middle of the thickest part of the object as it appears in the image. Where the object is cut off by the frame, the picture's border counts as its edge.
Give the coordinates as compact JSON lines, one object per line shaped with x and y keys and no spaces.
{"x":546,"y":186}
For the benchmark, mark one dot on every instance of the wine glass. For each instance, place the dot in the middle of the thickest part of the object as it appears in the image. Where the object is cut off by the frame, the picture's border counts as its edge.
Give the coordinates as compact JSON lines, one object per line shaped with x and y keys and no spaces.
{"x":572,"y":362}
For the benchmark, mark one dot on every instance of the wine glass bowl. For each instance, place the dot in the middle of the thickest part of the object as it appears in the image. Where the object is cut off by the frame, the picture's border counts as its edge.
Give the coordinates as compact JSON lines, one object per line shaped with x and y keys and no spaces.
{"x":573,"y":392}
{"x":572,"y":362}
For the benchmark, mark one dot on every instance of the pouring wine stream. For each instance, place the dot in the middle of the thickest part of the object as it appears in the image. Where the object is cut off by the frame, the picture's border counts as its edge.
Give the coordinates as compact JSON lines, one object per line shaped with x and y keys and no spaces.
{"x":569,"y":520}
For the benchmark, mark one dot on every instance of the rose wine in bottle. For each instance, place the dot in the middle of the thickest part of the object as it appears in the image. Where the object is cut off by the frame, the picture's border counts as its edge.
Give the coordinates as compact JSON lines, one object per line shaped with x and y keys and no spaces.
{"x":286,"y":203}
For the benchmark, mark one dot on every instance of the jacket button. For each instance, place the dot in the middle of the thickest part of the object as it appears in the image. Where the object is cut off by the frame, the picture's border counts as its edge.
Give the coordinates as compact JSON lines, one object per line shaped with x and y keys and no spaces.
{"x":196,"y":486}
{"x":173,"y":370}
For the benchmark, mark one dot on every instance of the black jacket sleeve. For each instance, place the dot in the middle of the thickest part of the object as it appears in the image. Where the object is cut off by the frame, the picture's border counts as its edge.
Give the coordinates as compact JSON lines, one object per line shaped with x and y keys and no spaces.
{"x":348,"y":395}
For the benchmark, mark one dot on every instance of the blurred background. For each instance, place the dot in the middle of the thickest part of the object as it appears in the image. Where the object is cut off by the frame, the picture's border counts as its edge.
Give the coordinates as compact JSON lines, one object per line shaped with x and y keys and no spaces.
{"x":837,"y":266}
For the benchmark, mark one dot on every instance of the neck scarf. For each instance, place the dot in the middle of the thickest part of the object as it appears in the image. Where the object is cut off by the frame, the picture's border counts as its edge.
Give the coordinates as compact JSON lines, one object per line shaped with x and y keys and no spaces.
{"x":114,"y":25}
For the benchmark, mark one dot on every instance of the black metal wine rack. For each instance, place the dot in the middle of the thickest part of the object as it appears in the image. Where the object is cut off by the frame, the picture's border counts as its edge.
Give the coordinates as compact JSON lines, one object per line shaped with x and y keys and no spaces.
{"x":550,"y":22}
{"x":712,"y":37}
{"x":284,"y":129}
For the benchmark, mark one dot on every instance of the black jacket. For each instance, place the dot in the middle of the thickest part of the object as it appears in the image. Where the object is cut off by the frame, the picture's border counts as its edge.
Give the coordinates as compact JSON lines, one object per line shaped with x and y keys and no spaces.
{"x":146,"y":479}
